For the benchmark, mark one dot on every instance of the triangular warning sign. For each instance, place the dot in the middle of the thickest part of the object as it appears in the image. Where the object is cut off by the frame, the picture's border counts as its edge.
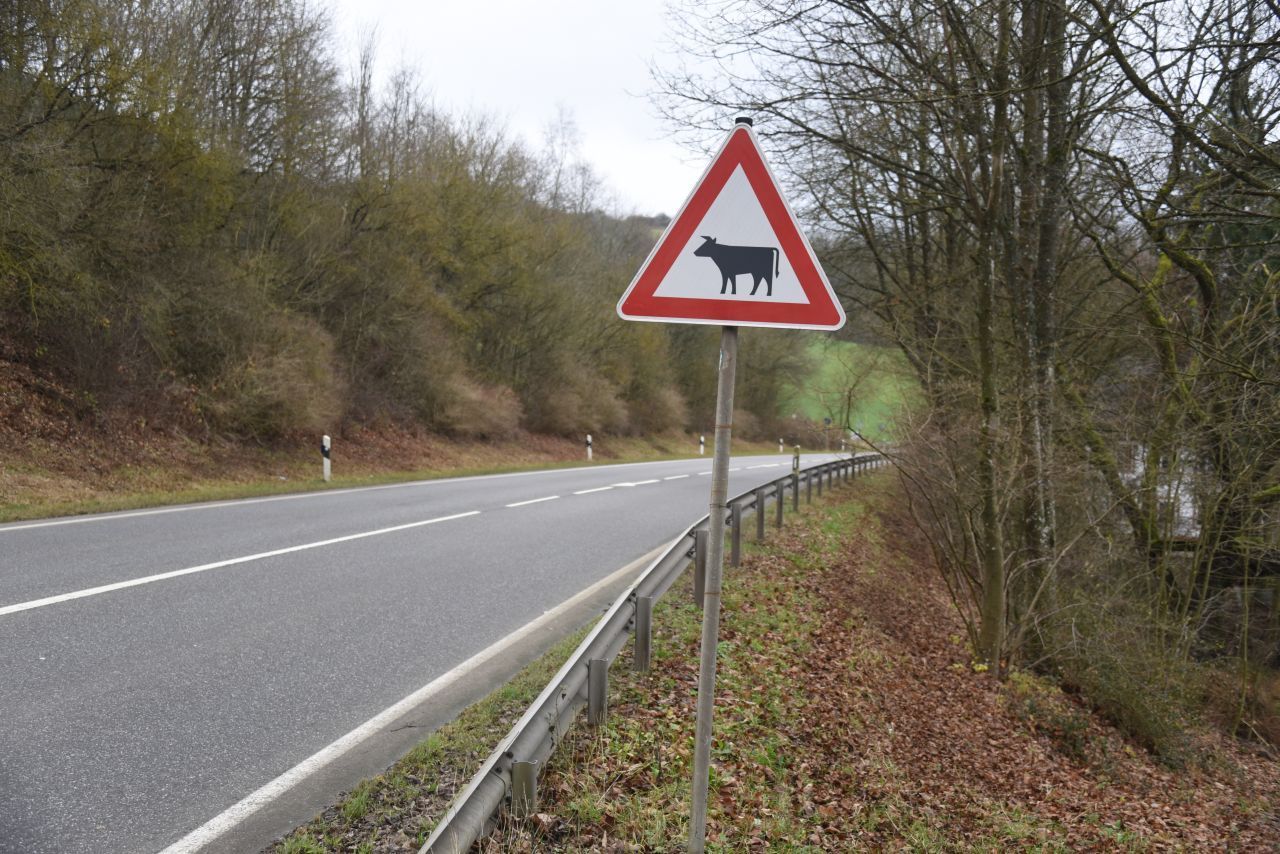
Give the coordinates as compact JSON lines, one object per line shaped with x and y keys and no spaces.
{"x":734,"y":255}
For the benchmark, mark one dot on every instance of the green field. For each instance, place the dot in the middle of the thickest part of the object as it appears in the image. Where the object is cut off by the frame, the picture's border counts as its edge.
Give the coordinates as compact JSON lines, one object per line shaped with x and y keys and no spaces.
{"x":857,"y":384}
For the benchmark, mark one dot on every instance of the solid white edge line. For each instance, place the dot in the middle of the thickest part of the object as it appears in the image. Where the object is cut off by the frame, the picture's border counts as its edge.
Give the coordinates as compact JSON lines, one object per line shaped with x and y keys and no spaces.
{"x":205,"y":567}
{"x":534,"y":501}
{"x":589,"y":491}
{"x":220,"y":824}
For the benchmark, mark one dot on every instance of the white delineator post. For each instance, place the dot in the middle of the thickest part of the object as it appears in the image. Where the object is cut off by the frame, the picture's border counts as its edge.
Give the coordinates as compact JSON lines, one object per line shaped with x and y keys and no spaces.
{"x":780,"y":448}
{"x":702,"y":445}
{"x":325,"y":446}
{"x":588,"y":447}
{"x":711,"y":590}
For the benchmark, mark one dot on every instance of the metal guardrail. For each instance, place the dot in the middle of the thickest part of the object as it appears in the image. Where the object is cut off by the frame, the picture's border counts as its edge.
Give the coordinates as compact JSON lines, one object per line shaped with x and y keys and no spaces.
{"x":509,"y":775}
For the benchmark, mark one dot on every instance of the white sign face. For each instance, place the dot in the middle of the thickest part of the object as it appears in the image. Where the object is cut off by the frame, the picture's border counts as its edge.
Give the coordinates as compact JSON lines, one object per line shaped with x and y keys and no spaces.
{"x":737,"y":212}
{"x":734,"y":255}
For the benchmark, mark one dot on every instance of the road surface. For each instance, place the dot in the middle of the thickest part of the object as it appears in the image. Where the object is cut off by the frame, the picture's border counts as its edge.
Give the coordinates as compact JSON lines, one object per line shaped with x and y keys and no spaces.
{"x":161,"y":665}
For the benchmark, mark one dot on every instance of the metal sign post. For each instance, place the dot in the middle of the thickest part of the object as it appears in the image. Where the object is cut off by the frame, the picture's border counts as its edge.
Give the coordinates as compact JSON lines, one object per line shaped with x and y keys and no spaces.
{"x":711,"y":590}
{"x":735,"y":229}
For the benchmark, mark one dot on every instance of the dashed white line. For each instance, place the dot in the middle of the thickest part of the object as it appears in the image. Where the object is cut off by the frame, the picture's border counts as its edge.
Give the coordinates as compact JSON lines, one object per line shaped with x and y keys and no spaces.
{"x":589,"y":491}
{"x":676,"y":477}
{"x":643,"y":482}
{"x":205,"y":567}
{"x":299,"y":496}
{"x":703,"y":473}
{"x":762,"y":466}
{"x":534,"y":501}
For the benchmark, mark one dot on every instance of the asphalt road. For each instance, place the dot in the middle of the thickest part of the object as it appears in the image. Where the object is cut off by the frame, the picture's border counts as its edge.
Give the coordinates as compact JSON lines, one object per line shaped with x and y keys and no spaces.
{"x":160,"y":665}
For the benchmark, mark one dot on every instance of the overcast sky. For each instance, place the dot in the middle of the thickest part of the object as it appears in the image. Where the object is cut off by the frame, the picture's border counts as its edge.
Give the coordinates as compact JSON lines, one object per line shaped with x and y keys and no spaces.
{"x":522,"y":61}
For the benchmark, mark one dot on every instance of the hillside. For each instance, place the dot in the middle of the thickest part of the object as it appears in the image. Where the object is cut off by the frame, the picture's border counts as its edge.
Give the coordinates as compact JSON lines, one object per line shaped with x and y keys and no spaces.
{"x":59,"y":454}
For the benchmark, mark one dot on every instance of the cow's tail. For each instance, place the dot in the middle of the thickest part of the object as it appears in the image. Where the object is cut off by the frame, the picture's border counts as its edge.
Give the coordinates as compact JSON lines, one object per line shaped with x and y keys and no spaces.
{"x":777,"y":259}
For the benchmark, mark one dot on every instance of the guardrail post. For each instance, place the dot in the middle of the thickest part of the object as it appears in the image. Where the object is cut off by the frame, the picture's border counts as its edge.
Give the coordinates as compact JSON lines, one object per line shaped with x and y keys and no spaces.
{"x":644,"y":634}
{"x":821,"y":472}
{"x":597,"y":691}
{"x":735,"y":553}
{"x":808,"y":488}
{"x":778,"y":496}
{"x":795,"y":493}
{"x":524,"y":788}
{"x":700,"y":540}
{"x":760,"y":505}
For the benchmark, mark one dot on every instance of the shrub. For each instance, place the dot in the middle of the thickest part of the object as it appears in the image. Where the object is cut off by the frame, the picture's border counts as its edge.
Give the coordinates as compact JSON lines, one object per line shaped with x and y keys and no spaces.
{"x":746,"y":425}
{"x":582,"y":402}
{"x":478,"y":411}
{"x":1148,"y":693}
{"x":286,"y":384}
{"x":657,"y":410}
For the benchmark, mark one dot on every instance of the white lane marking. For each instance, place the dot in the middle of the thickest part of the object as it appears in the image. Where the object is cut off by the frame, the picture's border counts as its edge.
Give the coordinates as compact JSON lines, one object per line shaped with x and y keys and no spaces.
{"x":676,"y":477}
{"x":236,"y":502}
{"x":589,"y":491}
{"x":736,"y":469}
{"x":703,"y":473}
{"x":643,"y":482}
{"x":763,"y":466}
{"x":205,"y":567}
{"x":534,"y":501}
{"x":220,"y":824}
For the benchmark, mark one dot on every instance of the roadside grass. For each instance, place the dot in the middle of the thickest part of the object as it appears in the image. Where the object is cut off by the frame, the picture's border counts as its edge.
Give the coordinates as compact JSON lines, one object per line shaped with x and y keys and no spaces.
{"x":396,"y":810}
{"x":31,"y":491}
{"x":627,"y":784}
{"x":843,"y":723}
{"x":847,"y":717}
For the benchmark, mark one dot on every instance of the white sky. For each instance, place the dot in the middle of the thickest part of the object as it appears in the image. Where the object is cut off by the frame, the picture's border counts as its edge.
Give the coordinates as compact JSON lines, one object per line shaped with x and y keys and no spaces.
{"x":523,"y":61}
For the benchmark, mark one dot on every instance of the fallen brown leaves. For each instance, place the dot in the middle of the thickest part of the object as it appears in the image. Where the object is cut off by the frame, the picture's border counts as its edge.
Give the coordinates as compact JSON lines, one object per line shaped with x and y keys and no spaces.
{"x":963,"y":764}
{"x":884,"y":736}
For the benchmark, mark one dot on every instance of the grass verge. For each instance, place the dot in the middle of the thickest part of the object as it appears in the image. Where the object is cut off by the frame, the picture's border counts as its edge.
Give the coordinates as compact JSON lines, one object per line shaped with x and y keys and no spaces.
{"x":37,"y":489}
{"x":848,"y":717}
{"x":397,"y":810}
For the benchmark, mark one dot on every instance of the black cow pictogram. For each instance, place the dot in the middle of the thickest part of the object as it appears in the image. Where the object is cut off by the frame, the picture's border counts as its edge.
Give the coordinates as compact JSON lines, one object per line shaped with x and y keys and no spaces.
{"x":759,"y":262}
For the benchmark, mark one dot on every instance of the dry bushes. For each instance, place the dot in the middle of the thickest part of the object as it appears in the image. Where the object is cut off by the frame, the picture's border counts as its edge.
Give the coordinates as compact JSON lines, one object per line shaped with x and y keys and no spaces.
{"x":287,"y":383}
{"x":478,"y":411}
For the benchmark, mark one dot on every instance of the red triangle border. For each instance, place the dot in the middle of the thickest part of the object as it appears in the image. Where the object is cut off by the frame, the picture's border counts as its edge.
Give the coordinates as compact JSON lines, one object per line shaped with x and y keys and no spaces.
{"x":640,"y":301}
